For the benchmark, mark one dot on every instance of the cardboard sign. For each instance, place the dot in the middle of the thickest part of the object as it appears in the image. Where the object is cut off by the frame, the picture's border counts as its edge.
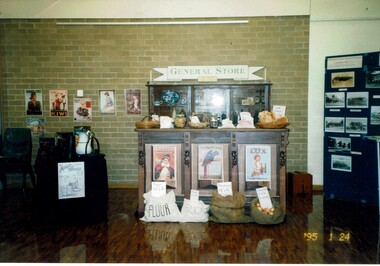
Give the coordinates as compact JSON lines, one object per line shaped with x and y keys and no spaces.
{"x":264,"y":197}
{"x":194,"y":195}
{"x":158,"y":189}
{"x":225,"y":189}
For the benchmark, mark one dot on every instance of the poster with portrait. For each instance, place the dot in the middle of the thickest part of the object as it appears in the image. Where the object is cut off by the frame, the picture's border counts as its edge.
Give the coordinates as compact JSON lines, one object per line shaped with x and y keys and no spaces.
{"x":107,"y":101}
{"x":132,"y":102}
{"x":36,"y":126}
{"x":82,"y":109}
{"x":71,"y":180}
{"x":58,"y":100}
{"x":258,"y":162}
{"x":210,"y":162}
{"x":165,"y":164}
{"x":33,"y":102}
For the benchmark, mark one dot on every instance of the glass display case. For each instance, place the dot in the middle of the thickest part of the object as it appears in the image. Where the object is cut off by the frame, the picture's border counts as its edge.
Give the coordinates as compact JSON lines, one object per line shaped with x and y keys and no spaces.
{"x":225,"y":100}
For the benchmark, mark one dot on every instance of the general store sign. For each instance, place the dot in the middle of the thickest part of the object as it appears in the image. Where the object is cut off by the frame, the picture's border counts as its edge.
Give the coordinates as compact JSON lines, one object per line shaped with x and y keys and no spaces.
{"x":208,"y":73}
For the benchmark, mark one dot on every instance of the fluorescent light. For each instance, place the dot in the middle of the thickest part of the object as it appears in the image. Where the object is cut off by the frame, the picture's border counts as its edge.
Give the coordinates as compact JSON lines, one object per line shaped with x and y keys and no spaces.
{"x":152,"y":23}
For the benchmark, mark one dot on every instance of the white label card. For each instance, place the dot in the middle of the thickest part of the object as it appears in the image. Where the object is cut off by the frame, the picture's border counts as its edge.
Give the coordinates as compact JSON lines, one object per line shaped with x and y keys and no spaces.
{"x":194,"y":195}
{"x":158,"y":189}
{"x":264,"y":197}
{"x":225,"y":189}
{"x":279,"y":110}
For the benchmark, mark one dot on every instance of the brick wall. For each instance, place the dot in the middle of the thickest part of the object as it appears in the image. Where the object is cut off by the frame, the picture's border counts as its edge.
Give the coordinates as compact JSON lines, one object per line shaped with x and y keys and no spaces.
{"x":38,"y":54}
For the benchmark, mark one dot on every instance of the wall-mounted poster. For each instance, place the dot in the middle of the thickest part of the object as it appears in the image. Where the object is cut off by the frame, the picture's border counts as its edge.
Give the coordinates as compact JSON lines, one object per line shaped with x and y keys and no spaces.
{"x":357,"y":99}
{"x":341,"y":163}
{"x":132,"y":102}
{"x":58,"y":103}
{"x":165,"y":164}
{"x":210,"y":162}
{"x":336,"y":144}
{"x":71,"y":180}
{"x":375,"y":115}
{"x":258,"y":162}
{"x":36,"y":126}
{"x":82,"y":109}
{"x":335,"y":100}
{"x":343,"y":79}
{"x":33,"y":101}
{"x":334,"y":124}
{"x":107,"y":101}
{"x":356,"y":125}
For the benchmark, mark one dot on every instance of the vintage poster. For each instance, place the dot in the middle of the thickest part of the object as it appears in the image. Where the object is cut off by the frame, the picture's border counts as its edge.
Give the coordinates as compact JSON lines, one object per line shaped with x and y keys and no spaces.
{"x":37,"y":126}
{"x":132,"y":102}
{"x":210,"y":162}
{"x":82,"y":109}
{"x":165,"y":164}
{"x":33,"y":102}
{"x":107,"y":101}
{"x":71,"y":180}
{"x":58,"y":103}
{"x":258,"y":162}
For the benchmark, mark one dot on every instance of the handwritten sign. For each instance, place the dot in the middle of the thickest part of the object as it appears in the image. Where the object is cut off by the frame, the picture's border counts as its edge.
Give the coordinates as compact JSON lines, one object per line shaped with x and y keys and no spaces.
{"x":225,"y":189}
{"x":158,"y":189}
{"x":279,"y":110}
{"x":194,"y":195}
{"x":264,"y":197}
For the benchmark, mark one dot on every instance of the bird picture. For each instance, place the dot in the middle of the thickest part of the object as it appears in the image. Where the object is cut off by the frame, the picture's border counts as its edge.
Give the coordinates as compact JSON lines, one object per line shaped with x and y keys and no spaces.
{"x":208,"y":159}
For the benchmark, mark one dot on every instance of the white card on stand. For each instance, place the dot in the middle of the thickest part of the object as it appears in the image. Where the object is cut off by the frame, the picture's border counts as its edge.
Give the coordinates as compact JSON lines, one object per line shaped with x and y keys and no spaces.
{"x":264,"y":197}
{"x":225,"y":189}
{"x":158,"y":189}
{"x":279,"y":110}
{"x":194,"y":195}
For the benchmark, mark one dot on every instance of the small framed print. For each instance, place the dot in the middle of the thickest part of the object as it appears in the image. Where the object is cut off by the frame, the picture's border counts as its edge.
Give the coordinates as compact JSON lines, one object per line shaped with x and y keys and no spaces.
{"x":132,"y":102}
{"x":257,"y":168}
{"x":341,"y":163}
{"x":107,"y":101}
{"x":210,"y":165}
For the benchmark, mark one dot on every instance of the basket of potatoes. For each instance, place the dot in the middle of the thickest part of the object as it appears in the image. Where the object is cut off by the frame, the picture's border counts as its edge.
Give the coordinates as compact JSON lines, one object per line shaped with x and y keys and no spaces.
{"x":266,"y":215}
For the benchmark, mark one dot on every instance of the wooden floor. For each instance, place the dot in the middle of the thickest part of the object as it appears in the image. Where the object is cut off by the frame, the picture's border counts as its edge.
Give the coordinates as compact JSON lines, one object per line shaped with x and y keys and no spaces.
{"x":315,"y":231}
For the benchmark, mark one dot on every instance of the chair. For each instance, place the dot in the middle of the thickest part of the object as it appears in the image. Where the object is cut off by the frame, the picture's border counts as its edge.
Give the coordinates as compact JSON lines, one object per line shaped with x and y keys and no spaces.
{"x":16,"y":155}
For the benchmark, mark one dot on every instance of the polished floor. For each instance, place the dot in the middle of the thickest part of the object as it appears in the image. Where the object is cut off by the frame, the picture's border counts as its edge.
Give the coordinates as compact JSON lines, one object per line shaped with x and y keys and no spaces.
{"x":315,"y":231}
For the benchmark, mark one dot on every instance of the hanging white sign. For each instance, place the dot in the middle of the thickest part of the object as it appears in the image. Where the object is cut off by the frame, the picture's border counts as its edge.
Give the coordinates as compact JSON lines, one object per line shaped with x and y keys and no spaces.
{"x":236,"y":72}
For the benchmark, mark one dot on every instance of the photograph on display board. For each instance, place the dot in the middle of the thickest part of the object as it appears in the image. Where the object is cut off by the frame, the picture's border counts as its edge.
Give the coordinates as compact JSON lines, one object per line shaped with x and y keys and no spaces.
{"x":210,"y":162}
{"x":82,"y":109}
{"x":165,"y":164}
{"x":36,"y":126}
{"x":357,"y":99}
{"x":334,"y":124}
{"x":375,"y":115}
{"x":132,"y":102}
{"x":335,"y":100}
{"x":337,"y":144}
{"x":356,"y":125}
{"x":373,"y":78}
{"x":341,"y":163}
{"x":343,"y":79}
{"x":258,"y":162}
{"x":58,"y":102}
{"x":107,"y":101}
{"x":33,"y":100}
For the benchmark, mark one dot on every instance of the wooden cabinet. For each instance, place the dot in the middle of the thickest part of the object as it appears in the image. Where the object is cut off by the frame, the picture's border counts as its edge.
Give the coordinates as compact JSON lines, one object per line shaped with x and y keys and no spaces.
{"x":224,"y":99}
{"x":188,"y":145}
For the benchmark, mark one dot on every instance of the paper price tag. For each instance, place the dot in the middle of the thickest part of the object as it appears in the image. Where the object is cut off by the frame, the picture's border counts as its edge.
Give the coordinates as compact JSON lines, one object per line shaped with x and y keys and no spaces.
{"x":225,"y":189}
{"x":264,"y":197}
{"x":279,"y":110}
{"x":158,"y":189}
{"x":194,"y":195}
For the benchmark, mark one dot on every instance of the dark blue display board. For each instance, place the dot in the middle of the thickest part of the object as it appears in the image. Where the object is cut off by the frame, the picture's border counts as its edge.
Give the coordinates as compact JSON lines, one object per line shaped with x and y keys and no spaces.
{"x":352,"y":119}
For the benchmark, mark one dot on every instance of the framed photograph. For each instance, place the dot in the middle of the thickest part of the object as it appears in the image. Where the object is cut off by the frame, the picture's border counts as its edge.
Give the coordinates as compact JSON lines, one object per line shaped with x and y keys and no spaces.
{"x":132,"y":102}
{"x":336,"y":144}
{"x":107,"y":101}
{"x":209,"y":165}
{"x":357,"y":99}
{"x":33,"y":102}
{"x":334,"y":124}
{"x":82,"y":109}
{"x":58,"y":103}
{"x":343,"y":79}
{"x":71,"y":180}
{"x":36,"y":126}
{"x":257,"y":168}
{"x":341,"y":163}
{"x":335,"y":100}
{"x":165,"y":164}
{"x":375,"y":115}
{"x":373,"y":78}
{"x":356,"y":125}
